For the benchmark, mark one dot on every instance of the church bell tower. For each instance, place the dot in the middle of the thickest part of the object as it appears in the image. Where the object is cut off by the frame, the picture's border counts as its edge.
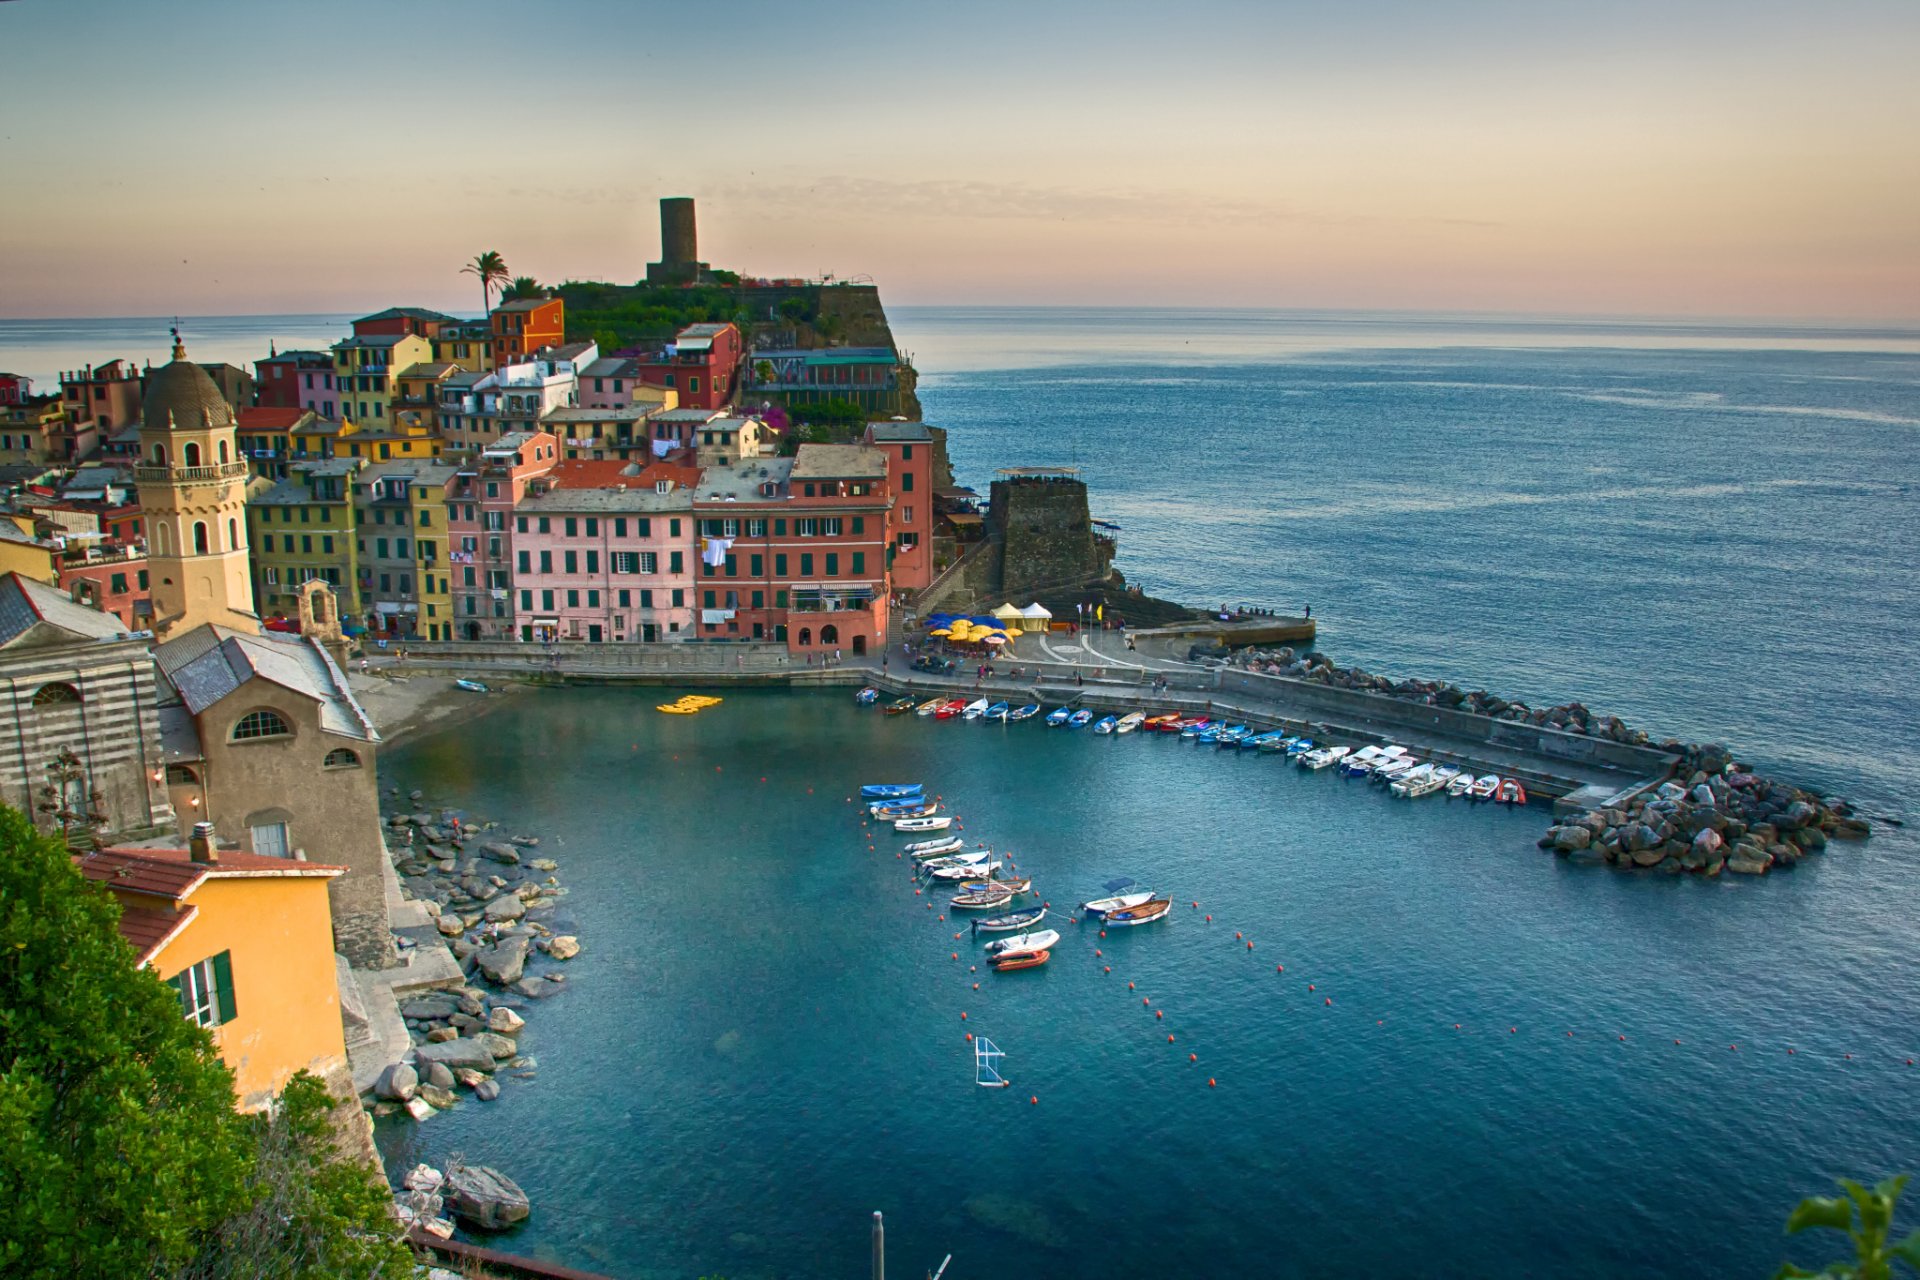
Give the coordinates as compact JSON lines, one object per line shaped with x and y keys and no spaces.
{"x":192,"y":483}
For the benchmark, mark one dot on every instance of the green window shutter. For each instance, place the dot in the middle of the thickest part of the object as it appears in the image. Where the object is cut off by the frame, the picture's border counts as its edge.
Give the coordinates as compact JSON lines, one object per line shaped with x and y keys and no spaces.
{"x":179,"y":984}
{"x":223,"y":984}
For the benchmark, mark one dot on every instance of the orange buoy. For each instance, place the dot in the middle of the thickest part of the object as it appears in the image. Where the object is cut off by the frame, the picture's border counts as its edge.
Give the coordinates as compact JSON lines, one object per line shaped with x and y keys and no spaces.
{"x":1158,"y":1014}
{"x":1049,"y":906}
{"x":1623,"y":1037}
{"x":976,"y":986}
{"x":1209,"y":919}
{"x":1103,"y":933}
{"x":1169,"y":1039}
{"x":1329,"y":999}
{"x":1129,"y":986}
{"x":1789,"y":1052}
{"x":1569,"y":1035}
{"x":1309,"y":986}
{"x":1107,"y":969}
{"x":1034,"y":1100}
{"x":1849,"y":1057}
{"x":1193,"y":1057}
{"x":1279,"y":968}
{"x":1513,"y":1031}
{"x":1236,"y":935}
{"x":956,"y":935}
{"x":963,"y":1017}
{"x":916,"y":893}
{"x":1676,"y":1042}
{"x":1249,"y":946}
{"x":1379,"y":1022}
{"x":1144,"y":1000}
{"x":1212,"y":1083}
{"x":1196,"y":906}
{"x":1456,"y":1027}
{"x":973,"y":968}
{"x":956,"y":955}
{"x":969,"y":1037}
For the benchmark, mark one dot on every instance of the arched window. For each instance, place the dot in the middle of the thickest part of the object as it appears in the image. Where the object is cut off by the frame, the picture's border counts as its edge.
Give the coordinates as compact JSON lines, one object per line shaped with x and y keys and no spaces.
{"x":183,"y":775}
{"x":159,"y":455}
{"x":56,"y":695}
{"x":162,"y":540}
{"x":806,"y":636}
{"x":199,"y":534}
{"x":829,"y":634}
{"x":223,"y":453}
{"x":190,"y":456}
{"x":261,"y":724}
{"x":233,"y":534}
{"x":341,"y":758}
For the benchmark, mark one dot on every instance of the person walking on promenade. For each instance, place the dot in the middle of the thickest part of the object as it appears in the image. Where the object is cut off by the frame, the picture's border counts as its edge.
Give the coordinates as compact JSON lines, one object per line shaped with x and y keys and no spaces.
{"x":836,"y":657}
{"x":1078,"y":679}
{"x":1309,"y":609}
{"x":1131,"y":647}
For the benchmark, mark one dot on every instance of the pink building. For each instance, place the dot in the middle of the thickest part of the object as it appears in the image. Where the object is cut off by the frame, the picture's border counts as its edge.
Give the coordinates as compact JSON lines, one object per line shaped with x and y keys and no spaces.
{"x":909,"y":450}
{"x":609,"y":383}
{"x":480,"y":529}
{"x":604,"y":551}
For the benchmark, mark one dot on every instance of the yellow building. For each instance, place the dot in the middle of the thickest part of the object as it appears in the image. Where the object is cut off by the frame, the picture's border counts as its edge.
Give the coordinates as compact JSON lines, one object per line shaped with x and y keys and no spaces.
{"x":303,"y":528}
{"x":247,"y":941}
{"x":468,"y":344}
{"x":405,"y":555}
{"x":24,"y":554}
{"x":405,"y":435}
{"x":417,"y":393}
{"x":192,"y":483}
{"x":366,"y":370}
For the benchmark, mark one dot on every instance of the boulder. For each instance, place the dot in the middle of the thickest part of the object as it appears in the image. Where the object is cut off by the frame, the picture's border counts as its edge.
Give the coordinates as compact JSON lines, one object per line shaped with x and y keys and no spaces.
{"x":485,"y":1197}
{"x":486,"y":1090}
{"x":1648,"y":857}
{"x":536,"y":988}
{"x":505,"y":853}
{"x":506,"y":1022}
{"x":456,"y":1053}
{"x":1747,"y":866}
{"x":419,"y":1108}
{"x":1796,"y":815}
{"x":440,"y":1035}
{"x":470,"y":1078}
{"x":504,"y":962}
{"x":397,"y":1083}
{"x":1706,"y":841}
{"x":423,"y":1177}
{"x":563,"y":947}
{"x":439,"y":1076}
{"x":440,"y":1099}
{"x":429,"y":1007}
{"x":505,"y":909}
{"x":497,"y":1045}
{"x":449,"y":926}
{"x":544,"y":864}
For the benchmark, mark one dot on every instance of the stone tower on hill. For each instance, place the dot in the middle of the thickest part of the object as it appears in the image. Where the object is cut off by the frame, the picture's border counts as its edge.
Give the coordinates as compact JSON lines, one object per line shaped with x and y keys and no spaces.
{"x":679,"y":245}
{"x":192,"y":483}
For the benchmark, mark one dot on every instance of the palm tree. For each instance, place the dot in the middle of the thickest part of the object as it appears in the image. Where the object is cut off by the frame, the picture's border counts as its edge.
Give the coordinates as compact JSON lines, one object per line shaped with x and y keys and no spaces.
{"x":522,"y":287}
{"x":492,"y":270}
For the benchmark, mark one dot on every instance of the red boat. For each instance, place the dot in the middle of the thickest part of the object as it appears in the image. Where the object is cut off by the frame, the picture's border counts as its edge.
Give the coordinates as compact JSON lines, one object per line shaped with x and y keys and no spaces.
{"x":1161,"y":724}
{"x":1511,"y":792}
{"x":1020,"y":960}
{"x":951,"y":708}
{"x":1185,"y":723}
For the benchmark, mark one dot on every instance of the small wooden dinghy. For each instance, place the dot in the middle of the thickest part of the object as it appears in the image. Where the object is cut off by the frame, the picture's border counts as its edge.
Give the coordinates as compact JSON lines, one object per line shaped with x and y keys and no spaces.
{"x":940,"y":846}
{"x":1022,"y":885}
{"x":938,"y":822}
{"x":899,"y":708}
{"x":967,"y":872}
{"x":1020,"y":960}
{"x":1485,"y":787}
{"x":930,"y":706}
{"x":980,"y":899}
{"x":1145,"y":913}
{"x":1018,"y":922}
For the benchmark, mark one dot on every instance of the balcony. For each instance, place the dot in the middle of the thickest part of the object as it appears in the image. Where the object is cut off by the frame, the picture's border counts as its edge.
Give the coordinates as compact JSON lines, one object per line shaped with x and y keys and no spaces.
{"x":221,"y":473}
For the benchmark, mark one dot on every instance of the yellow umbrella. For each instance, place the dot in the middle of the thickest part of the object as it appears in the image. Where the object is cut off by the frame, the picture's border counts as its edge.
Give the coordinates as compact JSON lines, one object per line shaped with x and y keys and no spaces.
{"x":943,"y":632}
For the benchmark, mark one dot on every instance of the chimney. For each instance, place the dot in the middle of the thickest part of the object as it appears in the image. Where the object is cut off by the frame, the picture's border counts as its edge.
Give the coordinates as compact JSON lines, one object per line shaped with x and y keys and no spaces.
{"x":201,"y":846}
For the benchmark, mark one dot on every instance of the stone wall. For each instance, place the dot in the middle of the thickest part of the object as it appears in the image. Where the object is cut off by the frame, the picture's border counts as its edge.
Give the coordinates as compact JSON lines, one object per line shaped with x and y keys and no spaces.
{"x":1046,"y":532}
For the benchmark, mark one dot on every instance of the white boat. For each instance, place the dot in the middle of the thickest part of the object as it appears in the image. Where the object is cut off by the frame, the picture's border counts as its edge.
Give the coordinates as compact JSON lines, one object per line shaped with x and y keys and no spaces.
{"x":1324,"y":756}
{"x":1023,"y":942}
{"x":1362,"y":760}
{"x":1446,"y":773}
{"x":1130,"y":722}
{"x":1416,"y":782}
{"x":1122,"y":892}
{"x":934,"y":848}
{"x":977,"y":899}
{"x":1459,"y":784}
{"x":966,"y":872}
{"x":975,"y":709}
{"x":1394,"y":769}
{"x":939,"y":822}
{"x":472,"y":686}
{"x":1485,"y":786}
{"x":972,"y":858}
{"x":1016,"y":922}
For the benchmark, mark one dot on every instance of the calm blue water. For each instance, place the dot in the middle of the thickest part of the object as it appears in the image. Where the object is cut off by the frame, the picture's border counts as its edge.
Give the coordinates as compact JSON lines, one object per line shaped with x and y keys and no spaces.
{"x":1707,"y":529}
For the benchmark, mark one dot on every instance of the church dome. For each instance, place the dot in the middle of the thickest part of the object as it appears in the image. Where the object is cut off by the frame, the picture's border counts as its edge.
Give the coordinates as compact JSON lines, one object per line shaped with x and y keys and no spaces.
{"x":181,"y":395}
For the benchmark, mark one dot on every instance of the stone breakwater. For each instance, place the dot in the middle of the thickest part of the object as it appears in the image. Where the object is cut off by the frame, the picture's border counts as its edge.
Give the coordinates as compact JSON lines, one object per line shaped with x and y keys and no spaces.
{"x":1722,"y":818}
{"x":1713,"y":815}
{"x":493,"y":900}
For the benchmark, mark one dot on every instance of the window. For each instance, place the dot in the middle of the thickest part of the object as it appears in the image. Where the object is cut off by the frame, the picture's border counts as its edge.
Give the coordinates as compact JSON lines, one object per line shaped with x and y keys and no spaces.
{"x":206,"y":990}
{"x":859,"y":524}
{"x":261,"y":724}
{"x":571,"y":559}
{"x":708,"y":600}
{"x":526,"y":562}
{"x":643,"y":527}
{"x":341,"y":758}
{"x":520,"y":524}
{"x":573,"y":527}
{"x":780,"y":564}
{"x":780,"y":528}
{"x":546,"y":562}
{"x":593,"y":527}
{"x":199,"y":536}
{"x":859,"y":563}
{"x":56,"y":695}
{"x":593,"y":599}
{"x":906,"y":453}
{"x":118,"y":584}
{"x":679,"y":601}
{"x":546,"y":525}
{"x":646,"y":598}
{"x":755,"y":565}
{"x":546,"y":601}
{"x":593,"y":562}
{"x":759,"y":599}
{"x":673,"y":528}
{"x":906,"y":482}
{"x":676,"y":561}
{"x":623,"y":561}
{"x":573,"y":598}
{"x":806,"y":564}
{"x":906,"y":514}
{"x":833,"y":564}
{"x":526,"y":599}
{"x":757,"y":528}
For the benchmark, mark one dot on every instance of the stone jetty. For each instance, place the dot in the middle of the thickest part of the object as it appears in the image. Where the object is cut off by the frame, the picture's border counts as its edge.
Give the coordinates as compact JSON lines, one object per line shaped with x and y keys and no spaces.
{"x":1712,"y":815}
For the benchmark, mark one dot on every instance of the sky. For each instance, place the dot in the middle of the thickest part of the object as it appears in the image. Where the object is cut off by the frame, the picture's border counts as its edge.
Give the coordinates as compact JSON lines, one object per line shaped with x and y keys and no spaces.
{"x":1697,"y":159}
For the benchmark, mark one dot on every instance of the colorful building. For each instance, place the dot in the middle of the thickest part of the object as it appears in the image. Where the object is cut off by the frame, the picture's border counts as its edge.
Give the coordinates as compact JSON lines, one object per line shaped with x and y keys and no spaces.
{"x":364,"y":369}
{"x":401,"y":436}
{"x":480,"y":528}
{"x":603,"y":553}
{"x":609,"y":382}
{"x":15,"y":387}
{"x":107,"y":395}
{"x":513,"y":398}
{"x":400,"y":321}
{"x":700,"y":365}
{"x":525,"y":325}
{"x":266,"y":435}
{"x":304,"y":528}
{"x":405,"y":576}
{"x":600,"y":434}
{"x":909,"y":448}
{"x":235,"y":383}
{"x":110,"y":579}
{"x":867,"y":377}
{"x":417,"y":393}
{"x":794,"y":549}
{"x":296,"y":380}
{"x":42,"y":429}
{"x":247,"y":942}
{"x":468,"y":343}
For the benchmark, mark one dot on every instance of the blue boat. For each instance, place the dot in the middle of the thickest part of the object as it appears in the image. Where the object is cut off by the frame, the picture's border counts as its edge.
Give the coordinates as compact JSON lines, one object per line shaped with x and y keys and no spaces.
{"x":890,"y":790}
{"x":1027,"y":712}
{"x":867,"y":696}
{"x":1259,"y":741}
{"x":1195,"y":730}
{"x":998,"y":711}
{"x":1299,"y":748}
{"x":1078,"y":720}
{"x":1230,"y":736}
{"x":1059,"y":716}
{"x":1106,"y":724}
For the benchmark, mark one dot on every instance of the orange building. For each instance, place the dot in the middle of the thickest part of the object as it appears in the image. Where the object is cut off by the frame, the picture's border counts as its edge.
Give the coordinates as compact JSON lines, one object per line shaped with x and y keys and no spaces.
{"x":523,"y":326}
{"x":247,"y":941}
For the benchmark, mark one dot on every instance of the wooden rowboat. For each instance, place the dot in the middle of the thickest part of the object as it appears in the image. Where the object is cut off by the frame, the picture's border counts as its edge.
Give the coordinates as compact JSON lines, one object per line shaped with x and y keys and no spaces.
{"x":1145,"y":913}
{"x":980,"y":899}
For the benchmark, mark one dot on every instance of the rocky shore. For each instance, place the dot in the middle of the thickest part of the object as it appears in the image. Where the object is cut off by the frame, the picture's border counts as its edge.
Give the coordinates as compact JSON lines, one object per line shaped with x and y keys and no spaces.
{"x":1713,"y":815}
{"x":493,"y":899}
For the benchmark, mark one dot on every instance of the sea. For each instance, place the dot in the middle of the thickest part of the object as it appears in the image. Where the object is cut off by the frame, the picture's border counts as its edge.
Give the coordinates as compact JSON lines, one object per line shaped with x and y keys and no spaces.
{"x":1377,"y":1037}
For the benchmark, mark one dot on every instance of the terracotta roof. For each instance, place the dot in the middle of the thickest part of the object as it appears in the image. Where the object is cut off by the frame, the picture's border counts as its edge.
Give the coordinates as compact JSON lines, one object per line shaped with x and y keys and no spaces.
{"x":270,"y":417}
{"x":133,"y":871}
{"x":150,"y":928}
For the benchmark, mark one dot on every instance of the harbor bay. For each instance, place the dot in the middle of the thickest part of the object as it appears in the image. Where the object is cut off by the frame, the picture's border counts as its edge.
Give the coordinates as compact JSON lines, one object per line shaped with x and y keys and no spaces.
{"x":764,"y":1004}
